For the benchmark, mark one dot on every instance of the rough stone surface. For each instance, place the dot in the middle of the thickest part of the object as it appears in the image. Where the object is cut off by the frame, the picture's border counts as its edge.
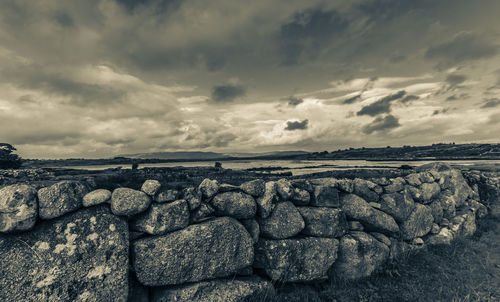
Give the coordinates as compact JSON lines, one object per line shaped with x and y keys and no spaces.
{"x":60,"y":198}
{"x":192,"y":196}
{"x":428,"y":191}
{"x":382,"y":238}
{"x":215,"y":248}
{"x":128,"y":202}
{"x":18,"y":208}
{"x":396,"y":185}
{"x":301,"y":197}
{"x":397,"y":205}
{"x":82,"y":256}
{"x":325,"y":196}
{"x":235,"y":204}
{"x":437,"y":210}
{"x":255,"y":187}
{"x":355,"y":225}
{"x":419,"y":223}
{"x":294,"y":260}
{"x":365,"y":189}
{"x":285,"y":221}
{"x":228,"y":188}
{"x":96,"y":197}
{"x":323,"y":222}
{"x":220,"y":290}
{"x":359,"y":256}
{"x":151,"y":187}
{"x":358,"y":209}
{"x":265,"y":204}
{"x":202,"y":213}
{"x":444,"y":237}
{"x":284,"y":189}
{"x":252,"y":227}
{"x":208,"y":188}
{"x":162,"y":218}
{"x":166,"y":196}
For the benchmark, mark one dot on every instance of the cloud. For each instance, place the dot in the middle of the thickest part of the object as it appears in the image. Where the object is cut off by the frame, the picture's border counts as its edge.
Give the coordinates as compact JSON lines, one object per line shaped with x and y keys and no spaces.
{"x":442,"y":111}
{"x":227,"y":93}
{"x":297,"y":125}
{"x":455,"y":79}
{"x":460,"y":96}
{"x":464,"y":46}
{"x":351,"y":99}
{"x":491,"y":103}
{"x":409,"y":98}
{"x":294,"y":101}
{"x":381,"y":124}
{"x":381,"y":106}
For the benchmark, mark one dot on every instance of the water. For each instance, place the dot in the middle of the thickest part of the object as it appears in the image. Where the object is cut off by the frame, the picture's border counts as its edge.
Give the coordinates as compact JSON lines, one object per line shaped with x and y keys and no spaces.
{"x":299,"y":167}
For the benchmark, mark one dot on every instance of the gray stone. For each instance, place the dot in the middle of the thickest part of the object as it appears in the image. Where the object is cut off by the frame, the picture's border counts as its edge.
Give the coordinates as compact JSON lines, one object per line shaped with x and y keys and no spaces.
{"x":418,"y":224}
{"x":397,"y":185}
{"x":454,"y":185}
{"x":413,"y":179}
{"x":252,"y":227}
{"x":82,"y":256}
{"x":323,"y":222}
{"x":60,"y":198}
{"x":437,"y":210}
{"x":18,"y":208}
{"x":162,"y":218}
{"x":301,"y":197}
{"x":219,"y":290}
{"x":325,"y":196}
{"x":285,"y":221}
{"x":302,"y":184}
{"x":234,"y":204}
{"x":192,"y":196}
{"x":382,"y":238}
{"x":166,"y":196}
{"x":265,"y":204}
{"x":402,"y":250}
{"x":215,"y":248}
{"x":128,"y":202}
{"x":444,"y":237}
{"x":358,"y":209}
{"x":151,"y":187}
{"x":228,"y":188}
{"x":96,"y":197}
{"x":284,"y":189}
{"x":381,"y":181}
{"x":255,"y":187}
{"x":397,"y":205}
{"x":208,"y":188}
{"x":202,"y":213}
{"x":296,"y":260}
{"x":136,"y":291}
{"x":429,"y":191}
{"x":359,"y":256}
{"x":364,"y":189}
{"x":355,"y":225}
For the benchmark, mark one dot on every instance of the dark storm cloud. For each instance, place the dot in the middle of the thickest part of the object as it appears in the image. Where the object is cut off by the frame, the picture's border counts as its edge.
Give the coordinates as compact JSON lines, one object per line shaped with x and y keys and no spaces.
{"x":382,"y":124}
{"x":460,"y":96}
{"x":294,"y":101}
{"x":308,"y":33}
{"x":463,"y":47}
{"x":64,"y":19}
{"x":455,"y":79}
{"x":386,"y":10}
{"x":297,"y":125}
{"x":409,"y":98}
{"x":351,"y":99}
{"x":491,"y":103}
{"x":159,"y":6}
{"x":381,"y":106}
{"x":227,"y":93}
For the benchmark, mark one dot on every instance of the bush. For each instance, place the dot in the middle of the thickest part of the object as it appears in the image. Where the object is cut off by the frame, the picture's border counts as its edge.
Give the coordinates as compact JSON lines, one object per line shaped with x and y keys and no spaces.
{"x":9,"y":160}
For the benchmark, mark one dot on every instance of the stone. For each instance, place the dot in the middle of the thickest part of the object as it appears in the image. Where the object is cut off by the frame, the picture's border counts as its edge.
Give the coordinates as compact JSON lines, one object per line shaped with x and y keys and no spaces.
{"x":192,"y":196}
{"x":166,"y":196}
{"x":219,"y":290}
{"x":202,"y":213}
{"x":480,"y":209}
{"x":397,"y":185}
{"x":323,"y":222}
{"x":151,"y":187}
{"x":208,"y":188}
{"x":375,"y":205}
{"x":363,"y":188}
{"x":358,"y":209}
{"x":397,"y":205}
{"x":468,"y":226}
{"x":96,"y":197}
{"x":265,"y":204}
{"x":429,"y":191}
{"x":382,"y":238}
{"x":454,"y":185}
{"x":417,"y":241}
{"x":435,"y":228}
{"x":162,"y":218}
{"x":285,"y":221}
{"x":302,"y":184}
{"x":444,"y":237}
{"x":18,"y":208}
{"x":418,"y":224}
{"x":136,"y":291}
{"x":252,"y":227}
{"x":82,"y":256}
{"x":256,"y":187}
{"x":228,"y":188}
{"x":360,"y":254}
{"x":402,"y":249}
{"x":437,"y":210}
{"x":234,"y":204}
{"x":296,"y":260}
{"x":355,"y":225}
{"x":284,"y":189}
{"x":325,"y":196}
{"x":212,"y":249}
{"x":60,"y":198}
{"x":413,"y":179}
{"x":381,"y":181}
{"x":128,"y":202}
{"x":301,"y":197}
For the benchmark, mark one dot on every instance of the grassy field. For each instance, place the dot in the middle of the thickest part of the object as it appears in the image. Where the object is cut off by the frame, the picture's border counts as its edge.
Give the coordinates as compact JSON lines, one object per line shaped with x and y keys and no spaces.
{"x":468,"y":270}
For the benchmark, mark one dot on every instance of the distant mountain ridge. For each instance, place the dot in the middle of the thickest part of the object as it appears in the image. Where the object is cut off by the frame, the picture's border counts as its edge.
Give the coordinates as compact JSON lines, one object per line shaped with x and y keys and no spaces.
{"x":200,"y":155}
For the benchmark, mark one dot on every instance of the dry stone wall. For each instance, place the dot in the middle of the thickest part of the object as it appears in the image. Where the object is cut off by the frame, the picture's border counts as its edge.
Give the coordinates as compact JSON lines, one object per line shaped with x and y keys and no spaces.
{"x":220,"y":242}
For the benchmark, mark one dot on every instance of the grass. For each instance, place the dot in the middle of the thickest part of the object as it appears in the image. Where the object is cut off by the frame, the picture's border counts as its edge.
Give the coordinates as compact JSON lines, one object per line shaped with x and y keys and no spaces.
{"x":467,"y":270}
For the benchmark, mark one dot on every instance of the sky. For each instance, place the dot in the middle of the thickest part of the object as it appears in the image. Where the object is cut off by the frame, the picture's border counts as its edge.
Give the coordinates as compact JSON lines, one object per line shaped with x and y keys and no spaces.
{"x":100,"y":78}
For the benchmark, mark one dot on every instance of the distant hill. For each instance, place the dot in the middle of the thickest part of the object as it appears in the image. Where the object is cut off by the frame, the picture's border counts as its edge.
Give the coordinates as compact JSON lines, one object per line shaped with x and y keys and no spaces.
{"x":198,"y":155}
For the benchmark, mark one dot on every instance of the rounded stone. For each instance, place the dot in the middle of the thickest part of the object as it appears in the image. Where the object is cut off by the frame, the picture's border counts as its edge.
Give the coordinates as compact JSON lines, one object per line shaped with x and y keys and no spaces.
{"x":208,"y":187}
{"x":128,"y":202}
{"x":96,"y":197}
{"x":60,"y":198}
{"x":285,"y":221}
{"x":18,"y":208}
{"x":235,"y":204}
{"x":151,"y":187}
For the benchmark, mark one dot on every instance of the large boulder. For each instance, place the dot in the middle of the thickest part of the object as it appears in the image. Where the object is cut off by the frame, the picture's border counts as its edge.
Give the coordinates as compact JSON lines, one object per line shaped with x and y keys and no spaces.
{"x":128,"y":202}
{"x":60,"y":198}
{"x":218,"y":290}
{"x":396,"y":185}
{"x":366,"y":189}
{"x":162,"y":218}
{"x":235,"y":204}
{"x":265,"y":203}
{"x":192,"y":196}
{"x":18,"y":208}
{"x":208,"y":188}
{"x":82,"y":256}
{"x":360,"y":254}
{"x":419,"y":223}
{"x":297,"y":259}
{"x":215,"y":248}
{"x":426,"y":192}
{"x":398,"y":205}
{"x":284,"y":189}
{"x":325,"y":196}
{"x":323,"y":222}
{"x":96,"y":197}
{"x":166,"y":195}
{"x":356,"y":208}
{"x":301,"y":197}
{"x":255,"y":187}
{"x":151,"y":187}
{"x":285,"y":221}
